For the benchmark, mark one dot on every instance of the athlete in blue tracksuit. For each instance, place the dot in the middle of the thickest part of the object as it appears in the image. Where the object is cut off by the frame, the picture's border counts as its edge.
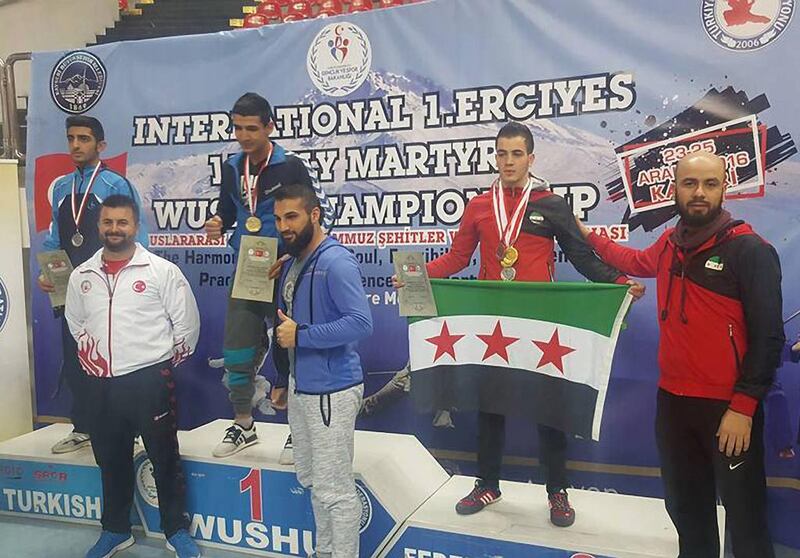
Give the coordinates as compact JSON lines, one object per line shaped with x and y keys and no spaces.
{"x":76,"y":200}
{"x":322,"y":314}
{"x":249,"y":182}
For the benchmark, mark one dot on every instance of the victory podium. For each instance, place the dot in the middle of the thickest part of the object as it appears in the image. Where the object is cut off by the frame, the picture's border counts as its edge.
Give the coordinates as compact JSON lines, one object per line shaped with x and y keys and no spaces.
{"x":250,"y":503}
{"x":518,"y":526}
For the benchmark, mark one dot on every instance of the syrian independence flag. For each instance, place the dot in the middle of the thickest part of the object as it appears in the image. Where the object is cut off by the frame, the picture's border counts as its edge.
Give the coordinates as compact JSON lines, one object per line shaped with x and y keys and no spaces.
{"x":540,"y":350}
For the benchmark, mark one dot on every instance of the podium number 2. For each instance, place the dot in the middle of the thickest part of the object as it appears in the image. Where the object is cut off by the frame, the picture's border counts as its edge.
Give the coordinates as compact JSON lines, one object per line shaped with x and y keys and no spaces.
{"x":252,"y":482}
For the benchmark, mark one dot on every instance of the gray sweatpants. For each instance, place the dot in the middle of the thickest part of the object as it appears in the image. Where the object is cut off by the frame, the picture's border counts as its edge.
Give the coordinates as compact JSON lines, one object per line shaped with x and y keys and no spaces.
{"x":322,"y":434}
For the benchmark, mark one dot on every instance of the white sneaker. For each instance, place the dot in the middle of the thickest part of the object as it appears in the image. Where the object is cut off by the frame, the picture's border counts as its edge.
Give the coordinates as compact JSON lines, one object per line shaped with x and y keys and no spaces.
{"x":287,"y":455}
{"x":73,"y":442}
{"x":236,"y":439}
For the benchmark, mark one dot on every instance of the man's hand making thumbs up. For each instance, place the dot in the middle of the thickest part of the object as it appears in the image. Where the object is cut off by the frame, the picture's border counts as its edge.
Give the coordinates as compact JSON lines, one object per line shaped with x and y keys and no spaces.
{"x":286,"y":331}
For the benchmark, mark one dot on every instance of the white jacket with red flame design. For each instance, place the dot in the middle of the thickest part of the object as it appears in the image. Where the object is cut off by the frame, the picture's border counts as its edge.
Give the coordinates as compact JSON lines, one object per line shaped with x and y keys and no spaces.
{"x":144,"y":314}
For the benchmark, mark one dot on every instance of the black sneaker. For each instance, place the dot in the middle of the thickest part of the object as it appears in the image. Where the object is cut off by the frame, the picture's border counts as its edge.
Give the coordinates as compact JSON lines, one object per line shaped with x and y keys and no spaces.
{"x":561,"y":513}
{"x":236,"y":439}
{"x":480,"y":497}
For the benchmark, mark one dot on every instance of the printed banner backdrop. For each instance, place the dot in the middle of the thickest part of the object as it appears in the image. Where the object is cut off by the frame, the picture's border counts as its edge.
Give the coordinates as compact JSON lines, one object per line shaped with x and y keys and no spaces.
{"x":399,"y":108}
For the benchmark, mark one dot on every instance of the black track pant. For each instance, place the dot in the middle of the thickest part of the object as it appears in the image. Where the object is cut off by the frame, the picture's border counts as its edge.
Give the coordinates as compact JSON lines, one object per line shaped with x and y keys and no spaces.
{"x":75,"y":378}
{"x":492,"y":439}
{"x":142,"y":402}
{"x":694,"y":471}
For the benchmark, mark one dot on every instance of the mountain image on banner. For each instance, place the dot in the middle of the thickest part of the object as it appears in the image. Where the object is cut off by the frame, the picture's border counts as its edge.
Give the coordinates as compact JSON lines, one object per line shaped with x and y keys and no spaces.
{"x":537,"y":350}
{"x":564,"y":154}
{"x":563,"y":151}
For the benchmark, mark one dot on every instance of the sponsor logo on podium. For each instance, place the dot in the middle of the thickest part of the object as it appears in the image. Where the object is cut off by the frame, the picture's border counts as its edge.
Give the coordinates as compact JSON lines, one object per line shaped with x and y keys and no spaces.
{"x":4,"y":305}
{"x":366,"y":508}
{"x":146,"y":483}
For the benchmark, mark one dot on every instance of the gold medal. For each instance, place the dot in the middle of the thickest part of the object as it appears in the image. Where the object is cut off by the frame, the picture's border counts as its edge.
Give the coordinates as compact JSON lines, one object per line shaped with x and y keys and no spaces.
{"x":511,"y":256}
{"x":253,"y":224}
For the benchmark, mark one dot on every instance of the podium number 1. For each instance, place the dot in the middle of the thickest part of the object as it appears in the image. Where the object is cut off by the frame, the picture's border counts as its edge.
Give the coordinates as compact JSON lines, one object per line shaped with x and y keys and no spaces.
{"x":252,"y":482}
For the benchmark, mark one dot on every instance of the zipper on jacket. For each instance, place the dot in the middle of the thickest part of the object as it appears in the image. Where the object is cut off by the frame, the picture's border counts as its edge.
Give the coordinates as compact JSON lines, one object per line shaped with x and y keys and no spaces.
{"x":735,"y":349}
{"x":111,"y":291}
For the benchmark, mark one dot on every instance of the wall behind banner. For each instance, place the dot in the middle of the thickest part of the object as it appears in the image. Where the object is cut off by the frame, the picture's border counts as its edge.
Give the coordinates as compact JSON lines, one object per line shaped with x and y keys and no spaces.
{"x":16,"y":417}
{"x":399,"y":109}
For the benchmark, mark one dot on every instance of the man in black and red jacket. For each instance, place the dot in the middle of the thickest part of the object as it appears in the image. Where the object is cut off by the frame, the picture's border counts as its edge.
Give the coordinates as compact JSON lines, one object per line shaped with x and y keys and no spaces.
{"x":719,"y":305}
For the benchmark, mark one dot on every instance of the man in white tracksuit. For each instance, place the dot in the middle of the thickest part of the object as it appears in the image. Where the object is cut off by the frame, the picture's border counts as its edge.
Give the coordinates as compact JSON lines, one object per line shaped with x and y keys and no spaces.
{"x":134,"y":318}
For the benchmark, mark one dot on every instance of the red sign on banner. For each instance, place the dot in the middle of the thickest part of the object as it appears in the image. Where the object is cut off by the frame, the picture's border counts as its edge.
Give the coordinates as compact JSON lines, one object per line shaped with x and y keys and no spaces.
{"x":648,"y":170}
{"x":48,"y":169}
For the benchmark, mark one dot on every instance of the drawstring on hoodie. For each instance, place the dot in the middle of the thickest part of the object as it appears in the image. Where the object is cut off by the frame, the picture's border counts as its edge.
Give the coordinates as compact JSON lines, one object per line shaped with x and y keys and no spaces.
{"x":672,"y":273}
{"x":665,"y":310}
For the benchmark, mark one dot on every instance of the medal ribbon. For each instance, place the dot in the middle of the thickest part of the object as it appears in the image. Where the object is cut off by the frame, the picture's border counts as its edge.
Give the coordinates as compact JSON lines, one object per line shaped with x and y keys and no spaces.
{"x":77,"y":213}
{"x":252,"y":189}
{"x":509,"y":230}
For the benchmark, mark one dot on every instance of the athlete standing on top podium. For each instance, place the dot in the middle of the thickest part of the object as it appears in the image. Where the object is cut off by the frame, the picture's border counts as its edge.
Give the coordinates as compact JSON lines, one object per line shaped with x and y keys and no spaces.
{"x":249,"y":182}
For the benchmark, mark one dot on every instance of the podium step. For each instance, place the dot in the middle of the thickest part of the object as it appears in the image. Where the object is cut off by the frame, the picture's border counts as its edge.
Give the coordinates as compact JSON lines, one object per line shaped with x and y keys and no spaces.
{"x":606,"y":525}
{"x":249,"y":503}
{"x":37,"y":483}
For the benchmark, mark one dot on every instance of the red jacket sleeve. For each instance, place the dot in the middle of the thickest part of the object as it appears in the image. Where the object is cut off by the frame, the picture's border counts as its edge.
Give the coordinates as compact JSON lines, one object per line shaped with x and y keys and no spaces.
{"x":638,"y":263}
{"x":460,"y":253}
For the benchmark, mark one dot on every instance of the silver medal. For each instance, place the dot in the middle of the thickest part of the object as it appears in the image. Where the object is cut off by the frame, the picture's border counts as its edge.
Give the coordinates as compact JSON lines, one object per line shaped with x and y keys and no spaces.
{"x":77,"y":239}
{"x":508,"y":273}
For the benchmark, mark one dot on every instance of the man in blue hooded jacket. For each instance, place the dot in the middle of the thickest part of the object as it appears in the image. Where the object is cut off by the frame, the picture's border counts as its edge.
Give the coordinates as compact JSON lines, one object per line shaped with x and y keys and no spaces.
{"x":322,"y":314}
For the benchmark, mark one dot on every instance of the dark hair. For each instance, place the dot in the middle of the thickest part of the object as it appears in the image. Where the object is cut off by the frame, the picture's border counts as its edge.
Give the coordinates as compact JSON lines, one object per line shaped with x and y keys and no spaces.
{"x":517,"y":130}
{"x":298,"y":191}
{"x":87,"y":122}
{"x":253,"y":104}
{"x":118,"y":200}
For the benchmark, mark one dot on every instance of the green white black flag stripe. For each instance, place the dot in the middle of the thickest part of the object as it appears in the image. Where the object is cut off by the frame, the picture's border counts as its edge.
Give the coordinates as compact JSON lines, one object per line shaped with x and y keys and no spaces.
{"x":542,"y":350}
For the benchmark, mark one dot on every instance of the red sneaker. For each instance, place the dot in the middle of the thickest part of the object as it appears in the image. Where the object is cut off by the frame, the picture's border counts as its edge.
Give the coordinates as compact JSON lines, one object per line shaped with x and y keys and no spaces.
{"x":561,"y":513}
{"x":480,"y":497}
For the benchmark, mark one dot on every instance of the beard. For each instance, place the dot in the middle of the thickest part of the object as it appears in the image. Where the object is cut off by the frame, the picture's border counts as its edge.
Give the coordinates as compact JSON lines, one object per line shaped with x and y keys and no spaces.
{"x":698,"y":220}
{"x":301,"y":240}
{"x":117,"y":243}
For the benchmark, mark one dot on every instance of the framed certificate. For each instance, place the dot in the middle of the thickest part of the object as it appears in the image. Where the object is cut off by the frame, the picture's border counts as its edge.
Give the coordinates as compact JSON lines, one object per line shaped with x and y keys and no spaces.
{"x":416,"y":296}
{"x":256,"y":256}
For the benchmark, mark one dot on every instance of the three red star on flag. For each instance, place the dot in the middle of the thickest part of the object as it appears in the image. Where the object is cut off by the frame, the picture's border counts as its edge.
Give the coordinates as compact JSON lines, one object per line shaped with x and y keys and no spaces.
{"x":553,"y":352}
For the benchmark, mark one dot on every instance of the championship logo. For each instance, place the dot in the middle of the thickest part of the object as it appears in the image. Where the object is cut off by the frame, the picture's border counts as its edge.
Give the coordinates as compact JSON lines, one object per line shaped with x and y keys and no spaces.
{"x":77,"y":82}
{"x":3,"y":305}
{"x":366,"y":508}
{"x":146,"y":484}
{"x":744,"y":25}
{"x":339,"y":59}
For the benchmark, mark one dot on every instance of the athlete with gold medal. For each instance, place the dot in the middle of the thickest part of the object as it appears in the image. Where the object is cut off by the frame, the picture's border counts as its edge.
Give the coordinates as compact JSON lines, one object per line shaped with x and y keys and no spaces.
{"x":250,"y":179}
{"x":515,"y":224}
